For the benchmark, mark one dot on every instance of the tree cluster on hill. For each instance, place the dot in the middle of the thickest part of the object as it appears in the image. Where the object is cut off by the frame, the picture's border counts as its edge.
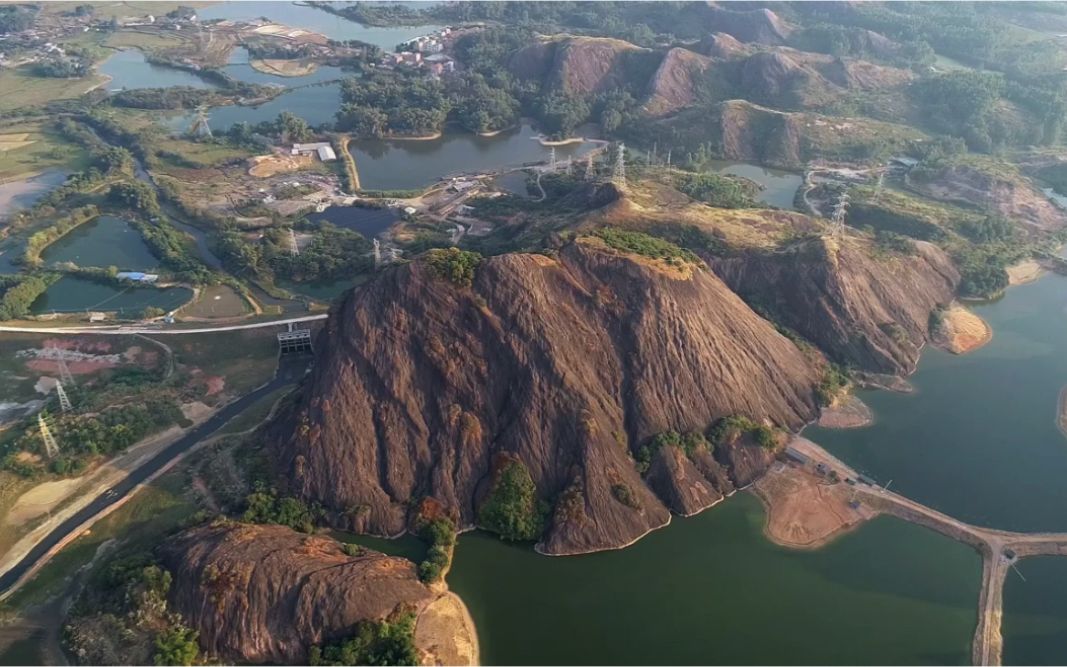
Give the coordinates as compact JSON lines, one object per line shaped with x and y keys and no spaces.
{"x":174,"y":97}
{"x":16,"y":18}
{"x":18,"y":292}
{"x":123,"y":611}
{"x":334,"y":253}
{"x":386,"y":104}
{"x":278,"y":51}
{"x":719,"y":191}
{"x":390,"y":641}
{"x":512,"y":509}
{"x":264,"y":505}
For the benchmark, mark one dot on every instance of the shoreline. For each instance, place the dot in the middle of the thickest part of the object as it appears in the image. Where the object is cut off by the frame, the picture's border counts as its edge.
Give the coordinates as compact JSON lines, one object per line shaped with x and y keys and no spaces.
{"x":429,"y":137}
{"x":1061,"y":411}
{"x":468,"y":621}
{"x":562,"y":142}
{"x":957,"y":330}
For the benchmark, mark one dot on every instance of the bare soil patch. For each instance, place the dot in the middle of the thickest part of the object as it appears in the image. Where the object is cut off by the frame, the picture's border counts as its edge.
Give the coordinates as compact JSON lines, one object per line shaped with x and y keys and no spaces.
{"x":265,"y":166}
{"x":41,"y":499}
{"x":805,"y":511}
{"x":959,"y":330}
{"x":1024,"y":272}
{"x":445,"y":633}
{"x":847,"y":412}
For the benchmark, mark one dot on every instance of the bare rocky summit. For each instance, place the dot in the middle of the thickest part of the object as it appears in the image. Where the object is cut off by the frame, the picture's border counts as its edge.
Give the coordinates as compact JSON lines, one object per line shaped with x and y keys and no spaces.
{"x":266,"y":594}
{"x":569,"y":365}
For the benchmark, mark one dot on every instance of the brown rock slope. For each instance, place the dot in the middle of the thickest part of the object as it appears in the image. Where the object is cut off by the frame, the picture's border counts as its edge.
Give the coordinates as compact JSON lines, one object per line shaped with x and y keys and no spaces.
{"x":674,"y":84}
{"x":759,"y":25}
{"x":577,"y":65}
{"x":873,"y":314}
{"x":267,"y":593}
{"x":567,"y":365}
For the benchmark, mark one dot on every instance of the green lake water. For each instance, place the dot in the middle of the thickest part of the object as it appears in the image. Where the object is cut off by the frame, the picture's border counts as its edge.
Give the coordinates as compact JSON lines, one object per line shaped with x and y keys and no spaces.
{"x":978,"y":439}
{"x":712,"y":590}
{"x":129,"y":69}
{"x":71,"y":295}
{"x":103,"y":242}
{"x":779,"y":187}
{"x":385,"y":164}
{"x":1035,"y":612}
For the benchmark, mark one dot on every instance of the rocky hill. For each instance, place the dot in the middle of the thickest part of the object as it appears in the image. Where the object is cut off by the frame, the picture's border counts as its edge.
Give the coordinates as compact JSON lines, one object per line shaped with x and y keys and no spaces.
{"x":1001,"y":189}
{"x":261,"y":594}
{"x":761,"y":26}
{"x":743,"y":131}
{"x":568,"y":365}
{"x":676,"y":82}
{"x":579,"y":65}
{"x":870,"y":313}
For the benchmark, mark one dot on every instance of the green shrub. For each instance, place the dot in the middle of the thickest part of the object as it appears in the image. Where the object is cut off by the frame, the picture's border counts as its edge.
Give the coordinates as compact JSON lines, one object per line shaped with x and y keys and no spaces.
{"x":387,"y":642}
{"x":643,"y":244}
{"x":454,"y":265}
{"x":351,"y":549}
{"x":625,"y":495}
{"x":833,"y":382}
{"x":511,"y":508}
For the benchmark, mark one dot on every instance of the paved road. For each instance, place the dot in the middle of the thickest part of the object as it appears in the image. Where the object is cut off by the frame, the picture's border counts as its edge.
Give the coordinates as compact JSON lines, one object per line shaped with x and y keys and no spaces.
{"x":118,"y":329}
{"x":290,"y":370}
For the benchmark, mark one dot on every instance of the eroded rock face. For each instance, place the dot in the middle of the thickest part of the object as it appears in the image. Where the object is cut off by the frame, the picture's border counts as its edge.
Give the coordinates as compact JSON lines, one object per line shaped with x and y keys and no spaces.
{"x":872,"y":314}
{"x":568,"y":364}
{"x":268,"y":593}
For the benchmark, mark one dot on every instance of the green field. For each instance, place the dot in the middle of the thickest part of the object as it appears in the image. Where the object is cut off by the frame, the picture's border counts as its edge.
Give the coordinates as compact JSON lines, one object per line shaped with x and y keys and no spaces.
{"x":23,"y":90}
{"x":31,"y":148}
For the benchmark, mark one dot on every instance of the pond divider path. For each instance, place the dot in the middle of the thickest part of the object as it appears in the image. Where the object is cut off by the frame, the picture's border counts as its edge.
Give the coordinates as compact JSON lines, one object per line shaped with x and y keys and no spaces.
{"x":999,"y":548}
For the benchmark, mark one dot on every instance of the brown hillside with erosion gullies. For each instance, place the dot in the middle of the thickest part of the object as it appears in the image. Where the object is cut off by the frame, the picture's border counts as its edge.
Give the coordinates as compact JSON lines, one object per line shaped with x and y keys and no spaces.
{"x":268,"y":593}
{"x":778,"y":79}
{"x":722,"y":46}
{"x":577,"y":65}
{"x":743,"y":131}
{"x":566,"y":365}
{"x":761,"y":26}
{"x":870,"y":313}
{"x":675,"y":84}
{"x":1007,"y":193}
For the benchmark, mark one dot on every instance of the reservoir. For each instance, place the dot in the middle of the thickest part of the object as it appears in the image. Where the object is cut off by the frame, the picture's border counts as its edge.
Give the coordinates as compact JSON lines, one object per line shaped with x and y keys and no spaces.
{"x":240,"y":69}
{"x":978,"y":439}
{"x":129,"y":69}
{"x":369,"y":222}
{"x":103,"y":242}
{"x":71,"y":295}
{"x":711,"y":589}
{"x":315,"y":20}
{"x":315,"y":104}
{"x":779,"y":187}
{"x":395,"y":164}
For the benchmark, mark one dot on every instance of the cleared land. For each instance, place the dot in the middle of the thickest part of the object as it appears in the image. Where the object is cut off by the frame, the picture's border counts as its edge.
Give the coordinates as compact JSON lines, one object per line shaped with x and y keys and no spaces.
{"x":216,"y":302}
{"x":804,"y":510}
{"x":1024,"y":272}
{"x":284,"y":67}
{"x":847,"y":412}
{"x":959,"y":330}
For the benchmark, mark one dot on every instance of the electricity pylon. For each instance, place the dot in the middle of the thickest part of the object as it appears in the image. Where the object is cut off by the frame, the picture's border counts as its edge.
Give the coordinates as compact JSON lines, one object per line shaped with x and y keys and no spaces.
{"x":51,"y":447}
{"x":64,"y":401}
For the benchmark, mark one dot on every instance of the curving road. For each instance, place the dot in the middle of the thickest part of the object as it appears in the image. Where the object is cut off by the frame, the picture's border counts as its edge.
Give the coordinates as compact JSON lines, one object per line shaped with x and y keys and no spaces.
{"x":120,"y":329}
{"x":290,"y":370}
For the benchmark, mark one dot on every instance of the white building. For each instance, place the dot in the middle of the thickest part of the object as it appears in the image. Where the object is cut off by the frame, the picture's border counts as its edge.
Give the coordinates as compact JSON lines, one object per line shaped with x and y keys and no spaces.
{"x":326,"y":153}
